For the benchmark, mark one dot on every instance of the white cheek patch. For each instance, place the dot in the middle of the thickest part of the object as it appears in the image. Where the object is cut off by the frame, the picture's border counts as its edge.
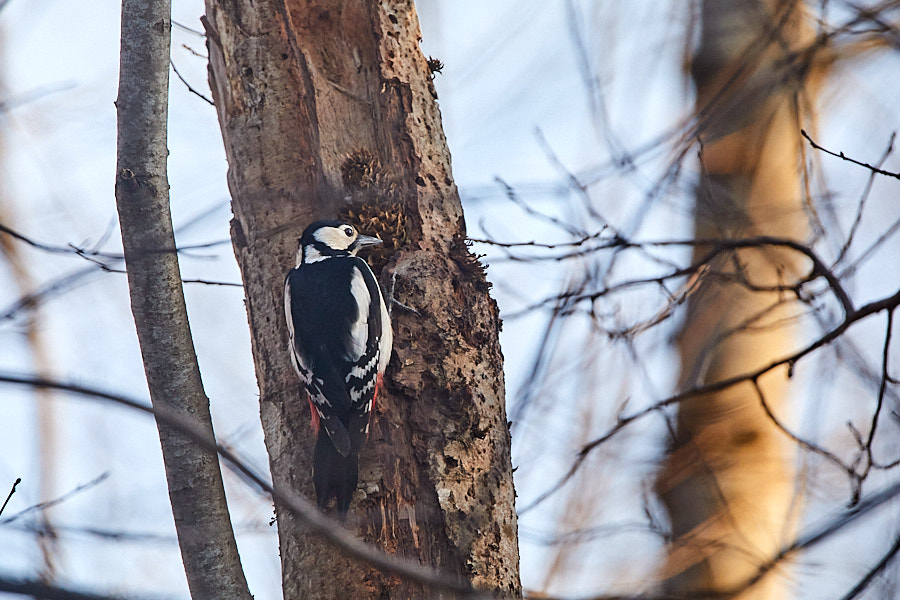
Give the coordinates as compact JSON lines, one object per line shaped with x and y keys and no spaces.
{"x":334,"y":237}
{"x":359,"y":329}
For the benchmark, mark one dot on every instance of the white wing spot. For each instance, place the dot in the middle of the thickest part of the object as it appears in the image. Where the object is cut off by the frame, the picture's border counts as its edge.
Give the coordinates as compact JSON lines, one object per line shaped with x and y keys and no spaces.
{"x":361,"y":372}
{"x":359,"y":329}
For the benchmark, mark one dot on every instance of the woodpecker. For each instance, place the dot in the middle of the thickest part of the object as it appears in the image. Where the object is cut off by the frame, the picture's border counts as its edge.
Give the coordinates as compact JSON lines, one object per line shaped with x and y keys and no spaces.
{"x":340,"y":341}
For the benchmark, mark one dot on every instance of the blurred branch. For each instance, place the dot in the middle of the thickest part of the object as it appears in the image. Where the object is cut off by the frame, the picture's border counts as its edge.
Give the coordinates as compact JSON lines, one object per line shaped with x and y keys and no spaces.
{"x":37,"y":589}
{"x":889,"y":303}
{"x":318,"y":523}
{"x":879,"y":567}
{"x":95,"y":252}
{"x":814,"y":536}
{"x":861,"y":205}
{"x":93,"y":256}
{"x":717,"y":248}
{"x":184,"y":27}
{"x":50,"y":503}
{"x":122,"y":536}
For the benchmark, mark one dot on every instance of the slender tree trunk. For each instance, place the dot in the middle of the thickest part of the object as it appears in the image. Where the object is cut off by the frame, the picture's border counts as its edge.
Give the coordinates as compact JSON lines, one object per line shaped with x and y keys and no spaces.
{"x":208,"y":547}
{"x":327,"y":108}
{"x":729,"y":484}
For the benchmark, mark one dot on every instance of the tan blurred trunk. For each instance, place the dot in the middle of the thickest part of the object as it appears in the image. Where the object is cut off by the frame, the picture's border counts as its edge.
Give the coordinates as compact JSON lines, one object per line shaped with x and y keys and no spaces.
{"x":729,"y":481}
{"x":46,"y":407}
{"x":329,"y":104}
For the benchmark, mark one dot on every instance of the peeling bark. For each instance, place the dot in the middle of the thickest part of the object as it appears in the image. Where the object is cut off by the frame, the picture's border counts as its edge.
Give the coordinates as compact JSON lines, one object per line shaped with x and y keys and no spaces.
{"x":326,"y":109}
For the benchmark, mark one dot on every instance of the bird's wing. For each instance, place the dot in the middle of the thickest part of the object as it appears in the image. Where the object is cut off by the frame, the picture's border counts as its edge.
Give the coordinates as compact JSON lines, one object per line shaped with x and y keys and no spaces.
{"x":326,"y":390}
{"x":370,"y":331}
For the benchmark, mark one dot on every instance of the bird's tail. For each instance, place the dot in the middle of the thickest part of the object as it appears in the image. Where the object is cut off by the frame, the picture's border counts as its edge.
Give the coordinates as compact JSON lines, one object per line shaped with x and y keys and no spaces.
{"x":334,"y":476}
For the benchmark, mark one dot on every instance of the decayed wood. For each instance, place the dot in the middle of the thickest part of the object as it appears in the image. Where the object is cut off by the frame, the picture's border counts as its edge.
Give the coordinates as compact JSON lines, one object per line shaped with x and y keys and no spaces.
{"x":729,"y":482}
{"x":327,"y":108}
{"x":207,"y":543}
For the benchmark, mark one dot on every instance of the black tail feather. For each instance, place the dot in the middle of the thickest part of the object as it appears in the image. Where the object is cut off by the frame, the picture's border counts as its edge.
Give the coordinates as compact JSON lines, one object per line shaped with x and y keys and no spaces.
{"x":334,"y":476}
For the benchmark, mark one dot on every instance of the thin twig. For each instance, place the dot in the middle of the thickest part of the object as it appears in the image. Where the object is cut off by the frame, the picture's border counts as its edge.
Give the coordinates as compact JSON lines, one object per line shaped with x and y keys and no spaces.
{"x":189,"y":87}
{"x":882,"y":387}
{"x":59,"y":500}
{"x":11,"y":492}
{"x":184,"y":27}
{"x":861,"y":205}
{"x":842,"y":156}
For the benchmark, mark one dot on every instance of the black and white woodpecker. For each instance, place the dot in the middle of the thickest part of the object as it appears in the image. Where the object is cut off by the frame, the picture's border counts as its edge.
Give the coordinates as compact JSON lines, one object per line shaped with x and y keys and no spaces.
{"x":340,"y":334}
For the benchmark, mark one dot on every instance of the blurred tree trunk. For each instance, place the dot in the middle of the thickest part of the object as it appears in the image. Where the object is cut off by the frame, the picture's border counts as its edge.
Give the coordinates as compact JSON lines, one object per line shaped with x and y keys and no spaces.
{"x":729,"y":482}
{"x":327,"y":108}
{"x":47,"y":408}
{"x":196,"y":492}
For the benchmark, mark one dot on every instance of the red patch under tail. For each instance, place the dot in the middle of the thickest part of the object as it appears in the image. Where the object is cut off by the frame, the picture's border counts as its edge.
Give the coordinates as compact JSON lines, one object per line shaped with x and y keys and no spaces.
{"x":314,"y":415}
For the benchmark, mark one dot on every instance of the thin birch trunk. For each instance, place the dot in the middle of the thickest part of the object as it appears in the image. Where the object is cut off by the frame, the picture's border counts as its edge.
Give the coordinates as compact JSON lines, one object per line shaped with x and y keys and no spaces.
{"x":207,"y":543}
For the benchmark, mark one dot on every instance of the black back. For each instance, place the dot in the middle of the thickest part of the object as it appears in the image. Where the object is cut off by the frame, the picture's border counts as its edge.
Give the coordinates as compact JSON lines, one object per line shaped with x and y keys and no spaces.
{"x":323,"y":313}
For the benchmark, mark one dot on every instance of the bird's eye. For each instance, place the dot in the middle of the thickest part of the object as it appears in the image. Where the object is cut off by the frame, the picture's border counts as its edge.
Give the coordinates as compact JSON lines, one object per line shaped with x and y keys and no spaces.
{"x":348,"y":231}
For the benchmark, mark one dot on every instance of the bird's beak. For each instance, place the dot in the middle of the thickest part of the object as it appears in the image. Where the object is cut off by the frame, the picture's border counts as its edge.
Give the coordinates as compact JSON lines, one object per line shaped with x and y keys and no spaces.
{"x":367,"y":240}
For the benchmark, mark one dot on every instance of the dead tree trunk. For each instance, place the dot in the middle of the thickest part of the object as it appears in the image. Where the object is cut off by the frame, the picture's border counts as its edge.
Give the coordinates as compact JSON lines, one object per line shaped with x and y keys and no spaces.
{"x":729,"y":482}
{"x":207,"y":543}
{"x":327,"y":109}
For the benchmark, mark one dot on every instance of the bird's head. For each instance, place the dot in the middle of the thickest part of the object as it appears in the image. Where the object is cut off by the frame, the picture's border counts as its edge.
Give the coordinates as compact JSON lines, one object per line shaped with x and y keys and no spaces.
{"x":324,"y":239}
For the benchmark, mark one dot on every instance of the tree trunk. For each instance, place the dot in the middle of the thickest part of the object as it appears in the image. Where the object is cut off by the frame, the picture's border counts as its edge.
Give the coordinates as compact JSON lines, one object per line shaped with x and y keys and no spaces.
{"x":729,"y":481}
{"x":327,"y":109}
{"x":207,"y":543}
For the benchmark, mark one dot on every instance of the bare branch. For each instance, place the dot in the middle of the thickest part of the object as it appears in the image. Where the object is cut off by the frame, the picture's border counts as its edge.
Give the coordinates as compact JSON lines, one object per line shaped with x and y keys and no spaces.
{"x":890,"y":303}
{"x":842,"y":156}
{"x":882,"y":387}
{"x":37,"y":589}
{"x":862,"y":202}
{"x":189,"y":86}
{"x":184,"y":27}
{"x":51,"y":503}
{"x":806,"y":443}
{"x":11,"y":492}
{"x":717,"y":248}
{"x":319,"y":523}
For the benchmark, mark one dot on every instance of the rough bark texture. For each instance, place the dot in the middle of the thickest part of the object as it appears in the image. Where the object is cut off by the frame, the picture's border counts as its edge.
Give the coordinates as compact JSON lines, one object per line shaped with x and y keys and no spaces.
{"x":327,"y":108}
{"x":729,"y":482}
{"x":207,"y":543}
